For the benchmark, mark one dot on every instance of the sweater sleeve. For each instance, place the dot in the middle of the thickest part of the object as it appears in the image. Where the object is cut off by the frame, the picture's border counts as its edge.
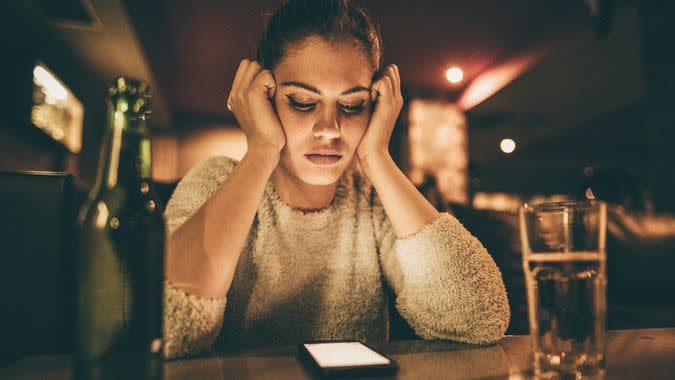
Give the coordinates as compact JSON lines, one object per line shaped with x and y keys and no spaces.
{"x":447,"y":285}
{"x":192,"y":323}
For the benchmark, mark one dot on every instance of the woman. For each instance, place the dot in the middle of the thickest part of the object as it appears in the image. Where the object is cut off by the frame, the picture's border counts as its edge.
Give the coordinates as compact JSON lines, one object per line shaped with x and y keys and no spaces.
{"x":293,"y":243}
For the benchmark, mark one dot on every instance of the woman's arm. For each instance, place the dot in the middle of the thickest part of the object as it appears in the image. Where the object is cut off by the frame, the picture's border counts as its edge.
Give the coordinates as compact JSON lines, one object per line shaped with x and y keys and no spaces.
{"x":203,"y":252}
{"x":446,"y":284}
{"x":199,"y":207}
{"x":210,"y":214}
{"x":408,"y":210}
{"x":405,"y":206}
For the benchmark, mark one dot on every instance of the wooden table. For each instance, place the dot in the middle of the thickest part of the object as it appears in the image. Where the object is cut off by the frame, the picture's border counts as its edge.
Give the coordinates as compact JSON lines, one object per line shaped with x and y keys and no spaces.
{"x":632,"y":354}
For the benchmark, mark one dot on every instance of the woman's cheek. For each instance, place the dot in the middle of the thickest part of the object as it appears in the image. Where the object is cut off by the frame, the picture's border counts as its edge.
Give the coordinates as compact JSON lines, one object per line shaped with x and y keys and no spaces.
{"x":289,"y":120}
{"x":362,"y":120}
{"x":298,"y":128}
{"x":356,"y":127}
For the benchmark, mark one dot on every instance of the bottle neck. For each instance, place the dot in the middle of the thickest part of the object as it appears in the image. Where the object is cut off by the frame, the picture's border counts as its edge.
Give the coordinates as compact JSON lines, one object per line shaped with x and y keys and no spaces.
{"x":126,"y":151}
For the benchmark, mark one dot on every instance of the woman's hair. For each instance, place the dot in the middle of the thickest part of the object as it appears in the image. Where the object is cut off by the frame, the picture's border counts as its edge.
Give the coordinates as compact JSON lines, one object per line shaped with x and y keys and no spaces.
{"x":332,"y":20}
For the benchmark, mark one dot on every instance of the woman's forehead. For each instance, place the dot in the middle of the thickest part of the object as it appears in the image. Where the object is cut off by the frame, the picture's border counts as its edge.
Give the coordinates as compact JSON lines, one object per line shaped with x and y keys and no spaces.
{"x":327,"y":66}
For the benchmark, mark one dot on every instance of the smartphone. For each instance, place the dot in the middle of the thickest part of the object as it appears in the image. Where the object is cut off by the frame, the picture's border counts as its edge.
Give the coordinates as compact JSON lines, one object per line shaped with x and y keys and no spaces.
{"x":345,"y":358}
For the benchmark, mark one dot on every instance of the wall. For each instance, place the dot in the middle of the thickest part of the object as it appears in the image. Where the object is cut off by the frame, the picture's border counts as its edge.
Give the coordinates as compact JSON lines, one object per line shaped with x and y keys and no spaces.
{"x":174,"y":154}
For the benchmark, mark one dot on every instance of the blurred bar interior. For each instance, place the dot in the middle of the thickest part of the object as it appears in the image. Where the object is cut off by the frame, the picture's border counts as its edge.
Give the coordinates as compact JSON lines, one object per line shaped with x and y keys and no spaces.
{"x":506,"y":102}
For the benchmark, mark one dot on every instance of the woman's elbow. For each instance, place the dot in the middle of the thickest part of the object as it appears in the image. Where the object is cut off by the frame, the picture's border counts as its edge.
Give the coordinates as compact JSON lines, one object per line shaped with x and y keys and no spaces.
{"x":493,"y":317}
{"x":483,"y":323}
{"x":492,"y":330}
{"x":191,"y":323}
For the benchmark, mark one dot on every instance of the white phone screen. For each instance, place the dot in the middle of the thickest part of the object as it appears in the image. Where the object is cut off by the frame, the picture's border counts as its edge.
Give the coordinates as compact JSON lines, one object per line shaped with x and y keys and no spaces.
{"x":344,"y":354}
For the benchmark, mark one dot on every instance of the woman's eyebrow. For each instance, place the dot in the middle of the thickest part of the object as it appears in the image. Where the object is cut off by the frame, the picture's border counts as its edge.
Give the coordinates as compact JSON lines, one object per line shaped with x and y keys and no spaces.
{"x":356,"y":89}
{"x":316,"y":90}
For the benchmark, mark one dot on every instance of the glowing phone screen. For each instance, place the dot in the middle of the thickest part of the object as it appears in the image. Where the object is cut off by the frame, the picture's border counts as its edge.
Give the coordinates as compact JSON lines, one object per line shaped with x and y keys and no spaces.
{"x":344,"y":354}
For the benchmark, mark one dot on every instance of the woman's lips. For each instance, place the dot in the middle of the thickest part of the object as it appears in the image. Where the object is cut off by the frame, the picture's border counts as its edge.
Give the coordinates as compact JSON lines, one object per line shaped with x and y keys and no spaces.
{"x":323,"y":159}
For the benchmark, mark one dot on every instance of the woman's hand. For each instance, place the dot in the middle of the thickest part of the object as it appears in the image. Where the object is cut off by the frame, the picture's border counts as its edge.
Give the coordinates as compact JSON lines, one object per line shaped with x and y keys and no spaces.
{"x":251,"y":102}
{"x":387,"y":103}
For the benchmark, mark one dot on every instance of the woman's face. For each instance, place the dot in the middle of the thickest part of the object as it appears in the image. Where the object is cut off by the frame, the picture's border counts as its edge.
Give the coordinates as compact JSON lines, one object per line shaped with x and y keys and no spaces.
{"x":323,"y":102}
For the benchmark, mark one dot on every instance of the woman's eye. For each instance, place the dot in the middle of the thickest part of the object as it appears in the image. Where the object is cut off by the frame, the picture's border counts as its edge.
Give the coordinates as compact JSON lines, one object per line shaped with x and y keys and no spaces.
{"x":352,"y":108}
{"x":301,"y":106}
{"x":304,"y":107}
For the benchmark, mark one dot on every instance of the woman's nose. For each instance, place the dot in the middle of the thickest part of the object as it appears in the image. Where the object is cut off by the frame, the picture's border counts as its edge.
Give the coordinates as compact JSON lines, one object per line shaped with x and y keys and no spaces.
{"x":327,"y":126}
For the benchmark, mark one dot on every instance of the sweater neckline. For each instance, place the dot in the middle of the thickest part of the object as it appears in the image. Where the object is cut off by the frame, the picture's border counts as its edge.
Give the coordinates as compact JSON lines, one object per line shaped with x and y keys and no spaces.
{"x":337,"y":201}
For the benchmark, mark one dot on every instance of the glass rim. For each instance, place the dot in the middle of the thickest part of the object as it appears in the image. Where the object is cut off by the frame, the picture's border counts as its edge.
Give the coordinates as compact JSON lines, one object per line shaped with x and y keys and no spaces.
{"x":561,"y":205}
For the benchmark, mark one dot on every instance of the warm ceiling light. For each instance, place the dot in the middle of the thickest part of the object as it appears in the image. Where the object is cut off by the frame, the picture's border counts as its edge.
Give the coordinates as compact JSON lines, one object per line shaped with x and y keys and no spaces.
{"x":454,"y":75}
{"x":507,"y":146}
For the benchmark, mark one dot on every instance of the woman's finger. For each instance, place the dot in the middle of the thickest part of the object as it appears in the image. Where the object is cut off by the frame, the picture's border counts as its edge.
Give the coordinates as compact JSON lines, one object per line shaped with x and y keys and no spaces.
{"x":264,"y":82}
{"x":240,"y":73}
{"x":237,"y":80}
{"x":250,"y":74}
{"x":391,"y":74}
{"x":397,"y":87}
{"x":386,"y":87}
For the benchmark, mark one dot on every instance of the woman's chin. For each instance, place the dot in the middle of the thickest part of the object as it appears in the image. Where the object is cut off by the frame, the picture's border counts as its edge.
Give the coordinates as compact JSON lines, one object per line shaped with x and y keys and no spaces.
{"x":321,"y":177}
{"x":316,"y":174}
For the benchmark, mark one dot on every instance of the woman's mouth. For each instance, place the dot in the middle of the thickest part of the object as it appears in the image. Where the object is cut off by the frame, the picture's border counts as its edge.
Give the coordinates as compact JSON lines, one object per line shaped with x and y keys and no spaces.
{"x":323,"y":159}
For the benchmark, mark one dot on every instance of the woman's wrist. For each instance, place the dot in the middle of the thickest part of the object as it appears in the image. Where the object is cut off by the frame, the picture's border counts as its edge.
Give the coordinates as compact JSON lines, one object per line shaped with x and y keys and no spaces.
{"x":264,"y":146}
{"x":373,"y":158}
{"x":263,"y":153}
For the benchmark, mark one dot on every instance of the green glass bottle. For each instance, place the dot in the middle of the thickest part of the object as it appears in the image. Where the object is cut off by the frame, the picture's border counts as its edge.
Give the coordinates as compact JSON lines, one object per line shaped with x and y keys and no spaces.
{"x":120,"y":258}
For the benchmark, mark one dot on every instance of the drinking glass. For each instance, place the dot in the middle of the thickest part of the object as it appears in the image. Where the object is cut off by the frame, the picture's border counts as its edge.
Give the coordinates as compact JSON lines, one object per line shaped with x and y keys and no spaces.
{"x":564,"y":259}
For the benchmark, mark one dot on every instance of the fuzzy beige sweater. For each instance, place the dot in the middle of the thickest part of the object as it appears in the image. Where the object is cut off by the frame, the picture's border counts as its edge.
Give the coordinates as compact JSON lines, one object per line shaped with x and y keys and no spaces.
{"x":321,"y":274}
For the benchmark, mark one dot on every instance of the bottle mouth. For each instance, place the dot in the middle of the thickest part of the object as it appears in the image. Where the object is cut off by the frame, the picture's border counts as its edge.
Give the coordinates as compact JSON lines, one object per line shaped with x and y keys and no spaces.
{"x":129,"y":86}
{"x":131,"y":97}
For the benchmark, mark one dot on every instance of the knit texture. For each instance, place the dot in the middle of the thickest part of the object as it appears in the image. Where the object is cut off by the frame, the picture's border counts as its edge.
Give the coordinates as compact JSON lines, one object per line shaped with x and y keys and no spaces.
{"x":321,"y":274}
{"x":199,"y":319}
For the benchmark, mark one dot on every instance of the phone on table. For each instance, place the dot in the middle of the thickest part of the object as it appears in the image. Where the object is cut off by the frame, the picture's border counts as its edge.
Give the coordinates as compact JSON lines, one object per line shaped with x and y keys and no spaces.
{"x":346,"y":358}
